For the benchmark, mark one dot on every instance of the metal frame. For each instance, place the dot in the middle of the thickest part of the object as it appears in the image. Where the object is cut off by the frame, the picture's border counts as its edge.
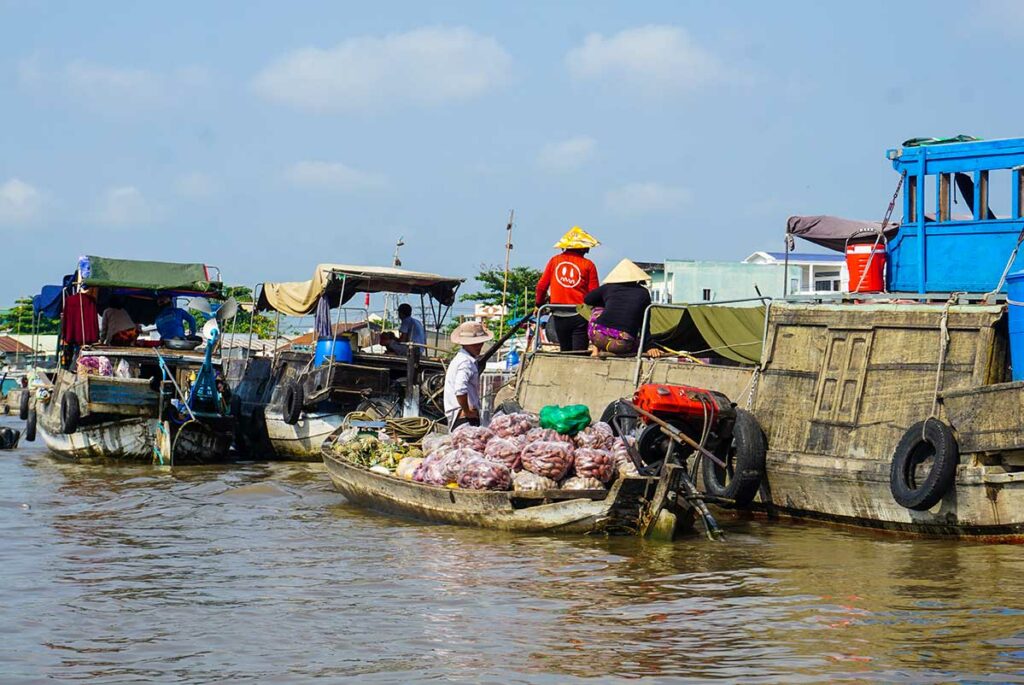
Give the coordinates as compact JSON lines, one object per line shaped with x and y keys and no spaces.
{"x":647,"y":319}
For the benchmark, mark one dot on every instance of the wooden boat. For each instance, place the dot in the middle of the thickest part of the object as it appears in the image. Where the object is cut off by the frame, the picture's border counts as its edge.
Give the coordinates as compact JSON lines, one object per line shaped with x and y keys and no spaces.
{"x":632,"y":506}
{"x":289,"y":406}
{"x":139,"y":402}
{"x":837,"y":387}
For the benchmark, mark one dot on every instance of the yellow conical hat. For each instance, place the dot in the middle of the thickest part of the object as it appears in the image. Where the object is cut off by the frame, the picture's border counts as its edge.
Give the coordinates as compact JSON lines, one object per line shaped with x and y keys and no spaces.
{"x":577,"y":239}
{"x":627,"y":272}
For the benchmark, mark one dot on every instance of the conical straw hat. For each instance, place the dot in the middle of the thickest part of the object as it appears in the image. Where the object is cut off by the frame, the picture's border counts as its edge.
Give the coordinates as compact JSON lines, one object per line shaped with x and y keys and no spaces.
{"x":627,"y":272}
{"x":577,"y":239}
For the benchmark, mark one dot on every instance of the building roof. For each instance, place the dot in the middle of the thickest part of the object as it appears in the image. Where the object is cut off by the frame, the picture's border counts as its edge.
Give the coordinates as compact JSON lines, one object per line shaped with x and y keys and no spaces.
{"x":11,"y":346}
{"x":814,"y":257}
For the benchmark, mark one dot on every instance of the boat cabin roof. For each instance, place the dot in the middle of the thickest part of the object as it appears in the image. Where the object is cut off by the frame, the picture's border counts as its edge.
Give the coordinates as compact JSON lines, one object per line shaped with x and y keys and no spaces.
{"x":339,"y":282}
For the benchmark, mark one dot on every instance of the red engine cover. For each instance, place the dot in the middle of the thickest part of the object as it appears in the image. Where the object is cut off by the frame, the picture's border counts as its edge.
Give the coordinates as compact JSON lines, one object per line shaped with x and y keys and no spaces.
{"x":681,"y":402}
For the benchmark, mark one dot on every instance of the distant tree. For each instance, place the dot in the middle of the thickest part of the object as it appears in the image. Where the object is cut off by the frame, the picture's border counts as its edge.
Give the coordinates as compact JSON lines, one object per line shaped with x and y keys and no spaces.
{"x":262,"y":325}
{"x":18,"y":319}
{"x":522,"y":283}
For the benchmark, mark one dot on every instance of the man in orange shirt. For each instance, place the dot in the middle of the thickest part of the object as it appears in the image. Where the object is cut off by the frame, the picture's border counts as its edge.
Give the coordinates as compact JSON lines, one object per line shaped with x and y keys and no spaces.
{"x":567,"y":278}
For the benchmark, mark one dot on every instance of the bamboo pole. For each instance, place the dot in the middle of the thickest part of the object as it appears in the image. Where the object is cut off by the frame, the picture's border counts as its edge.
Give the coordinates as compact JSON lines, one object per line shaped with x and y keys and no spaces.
{"x":508,"y":253}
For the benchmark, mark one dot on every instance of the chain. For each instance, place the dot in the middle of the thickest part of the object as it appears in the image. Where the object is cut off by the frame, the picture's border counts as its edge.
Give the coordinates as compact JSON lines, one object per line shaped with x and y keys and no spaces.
{"x":881,"y":231}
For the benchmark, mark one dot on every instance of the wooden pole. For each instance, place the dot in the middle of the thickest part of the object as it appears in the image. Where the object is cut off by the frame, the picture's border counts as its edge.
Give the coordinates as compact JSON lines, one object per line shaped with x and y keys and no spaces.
{"x":508,"y":253}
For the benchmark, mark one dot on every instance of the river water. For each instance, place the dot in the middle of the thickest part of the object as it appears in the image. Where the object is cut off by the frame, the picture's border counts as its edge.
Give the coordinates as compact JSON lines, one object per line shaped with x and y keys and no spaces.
{"x":261,"y":572}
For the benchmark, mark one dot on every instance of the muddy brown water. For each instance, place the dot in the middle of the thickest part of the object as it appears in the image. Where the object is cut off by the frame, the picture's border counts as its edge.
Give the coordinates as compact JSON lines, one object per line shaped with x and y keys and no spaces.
{"x":260,"y":572}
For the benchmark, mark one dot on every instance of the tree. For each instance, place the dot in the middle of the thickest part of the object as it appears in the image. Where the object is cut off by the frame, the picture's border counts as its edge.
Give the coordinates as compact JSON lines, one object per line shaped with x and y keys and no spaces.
{"x":262,"y":325}
{"x":522,"y":284}
{"x":18,"y":319}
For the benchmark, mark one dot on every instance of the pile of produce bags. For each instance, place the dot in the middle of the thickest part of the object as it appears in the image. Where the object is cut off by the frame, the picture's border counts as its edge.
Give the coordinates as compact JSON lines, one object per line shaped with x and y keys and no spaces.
{"x":513,"y":453}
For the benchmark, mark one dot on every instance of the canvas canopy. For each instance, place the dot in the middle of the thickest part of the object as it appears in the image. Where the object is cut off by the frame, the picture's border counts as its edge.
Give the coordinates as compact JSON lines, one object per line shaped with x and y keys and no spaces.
{"x":337,"y":283}
{"x":48,"y":302}
{"x":833,"y":231}
{"x":735,"y":333}
{"x":104,"y":272}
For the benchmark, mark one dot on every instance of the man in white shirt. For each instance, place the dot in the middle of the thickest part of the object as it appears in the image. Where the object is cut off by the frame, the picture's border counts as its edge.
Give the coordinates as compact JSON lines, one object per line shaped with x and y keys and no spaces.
{"x":462,"y":381}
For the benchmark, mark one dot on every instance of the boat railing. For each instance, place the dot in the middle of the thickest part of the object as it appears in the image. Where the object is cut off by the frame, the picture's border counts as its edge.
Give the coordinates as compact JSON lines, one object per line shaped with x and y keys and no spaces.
{"x":644,"y":328}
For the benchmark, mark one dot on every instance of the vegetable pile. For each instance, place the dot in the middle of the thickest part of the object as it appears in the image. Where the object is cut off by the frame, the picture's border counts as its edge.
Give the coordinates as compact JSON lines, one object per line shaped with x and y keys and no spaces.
{"x":513,"y":453}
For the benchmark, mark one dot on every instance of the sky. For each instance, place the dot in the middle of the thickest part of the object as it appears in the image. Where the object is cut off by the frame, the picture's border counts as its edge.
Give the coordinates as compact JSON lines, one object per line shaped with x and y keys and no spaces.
{"x":266,"y":137}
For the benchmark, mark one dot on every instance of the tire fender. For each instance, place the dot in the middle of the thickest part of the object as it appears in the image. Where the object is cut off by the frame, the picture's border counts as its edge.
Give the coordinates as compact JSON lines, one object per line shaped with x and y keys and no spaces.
{"x":70,"y":413}
{"x":913,"y":488}
{"x":30,"y":426}
{"x":744,"y":457}
{"x":293,"y":401}
{"x":23,"y":405}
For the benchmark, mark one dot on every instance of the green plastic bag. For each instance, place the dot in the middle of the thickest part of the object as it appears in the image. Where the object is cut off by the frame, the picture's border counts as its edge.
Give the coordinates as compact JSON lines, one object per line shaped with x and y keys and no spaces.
{"x":568,"y":420}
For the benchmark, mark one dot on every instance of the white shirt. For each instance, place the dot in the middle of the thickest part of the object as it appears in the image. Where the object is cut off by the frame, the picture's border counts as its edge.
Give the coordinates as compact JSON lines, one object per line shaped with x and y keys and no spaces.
{"x":462,"y":378}
{"x":113,"y":322}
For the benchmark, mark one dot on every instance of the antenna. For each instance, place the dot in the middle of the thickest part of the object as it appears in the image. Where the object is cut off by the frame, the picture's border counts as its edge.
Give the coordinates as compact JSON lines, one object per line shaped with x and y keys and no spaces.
{"x":392,"y":298}
{"x":508,"y":253}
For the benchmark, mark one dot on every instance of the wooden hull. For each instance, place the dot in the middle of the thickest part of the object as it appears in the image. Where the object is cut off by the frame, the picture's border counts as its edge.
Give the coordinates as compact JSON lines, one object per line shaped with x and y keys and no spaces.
{"x":300,"y":441}
{"x":140,"y":440}
{"x":616,"y":513}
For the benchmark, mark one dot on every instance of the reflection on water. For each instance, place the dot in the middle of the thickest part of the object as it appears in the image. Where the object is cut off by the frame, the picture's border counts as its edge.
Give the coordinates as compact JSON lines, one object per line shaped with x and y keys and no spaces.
{"x":262,"y":572}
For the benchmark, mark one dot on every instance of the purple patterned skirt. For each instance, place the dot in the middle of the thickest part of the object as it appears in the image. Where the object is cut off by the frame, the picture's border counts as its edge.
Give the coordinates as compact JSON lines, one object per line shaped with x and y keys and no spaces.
{"x":609,"y":339}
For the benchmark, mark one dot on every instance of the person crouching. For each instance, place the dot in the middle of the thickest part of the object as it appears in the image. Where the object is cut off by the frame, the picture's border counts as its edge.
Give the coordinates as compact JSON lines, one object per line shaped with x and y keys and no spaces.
{"x":618,"y":308}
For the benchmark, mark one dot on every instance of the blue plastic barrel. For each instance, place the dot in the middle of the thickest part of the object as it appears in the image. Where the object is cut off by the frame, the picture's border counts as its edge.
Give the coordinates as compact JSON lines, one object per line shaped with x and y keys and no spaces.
{"x":1015,"y":296}
{"x":341,"y":348}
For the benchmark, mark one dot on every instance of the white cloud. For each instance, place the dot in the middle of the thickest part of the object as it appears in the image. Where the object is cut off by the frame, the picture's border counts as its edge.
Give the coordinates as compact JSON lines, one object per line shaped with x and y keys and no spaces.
{"x":426,"y":66}
{"x":333,"y":176}
{"x":197,"y":186}
{"x":113,"y":88}
{"x":568,"y":154}
{"x":646,"y":198}
{"x":652,"y":58}
{"x":125,"y":206}
{"x":20,"y":202}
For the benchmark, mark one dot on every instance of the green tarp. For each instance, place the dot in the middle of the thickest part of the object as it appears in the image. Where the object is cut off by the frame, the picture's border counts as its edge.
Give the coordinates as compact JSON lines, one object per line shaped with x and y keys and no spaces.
{"x":735,"y":333}
{"x":126,"y":273}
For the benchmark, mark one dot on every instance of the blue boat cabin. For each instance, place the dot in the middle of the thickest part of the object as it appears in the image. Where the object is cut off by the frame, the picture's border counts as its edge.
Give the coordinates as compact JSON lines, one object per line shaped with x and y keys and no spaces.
{"x":943,"y":252}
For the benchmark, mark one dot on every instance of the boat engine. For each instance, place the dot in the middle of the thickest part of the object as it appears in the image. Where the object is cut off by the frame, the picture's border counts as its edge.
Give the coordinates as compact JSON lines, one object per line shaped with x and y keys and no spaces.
{"x":704,"y":415}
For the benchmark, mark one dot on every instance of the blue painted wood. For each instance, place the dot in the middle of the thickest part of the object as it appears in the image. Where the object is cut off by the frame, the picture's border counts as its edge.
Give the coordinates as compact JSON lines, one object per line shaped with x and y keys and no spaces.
{"x":932,"y":256}
{"x":119,"y":393}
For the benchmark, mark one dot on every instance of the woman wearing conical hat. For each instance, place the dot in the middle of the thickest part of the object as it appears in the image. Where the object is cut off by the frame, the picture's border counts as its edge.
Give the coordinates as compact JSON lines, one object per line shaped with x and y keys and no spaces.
{"x":567,"y":277}
{"x":618,"y":309}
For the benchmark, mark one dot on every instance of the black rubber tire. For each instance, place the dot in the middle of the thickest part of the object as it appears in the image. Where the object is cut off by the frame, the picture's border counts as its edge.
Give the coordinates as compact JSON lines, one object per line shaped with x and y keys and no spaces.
{"x":744,"y":456}
{"x":70,"y":413}
{"x":628,"y":418}
{"x":8,"y":438}
{"x":30,"y":426}
{"x":292,"y":403}
{"x":23,"y":406}
{"x":925,"y":439}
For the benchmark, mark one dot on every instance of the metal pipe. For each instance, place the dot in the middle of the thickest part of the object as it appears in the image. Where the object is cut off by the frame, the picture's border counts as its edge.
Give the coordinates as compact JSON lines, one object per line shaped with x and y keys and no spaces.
{"x":674,"y":433}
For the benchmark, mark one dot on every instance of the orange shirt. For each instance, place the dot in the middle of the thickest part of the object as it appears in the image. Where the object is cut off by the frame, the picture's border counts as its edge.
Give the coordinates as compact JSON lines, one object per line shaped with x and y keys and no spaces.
{"x":569,"y":276}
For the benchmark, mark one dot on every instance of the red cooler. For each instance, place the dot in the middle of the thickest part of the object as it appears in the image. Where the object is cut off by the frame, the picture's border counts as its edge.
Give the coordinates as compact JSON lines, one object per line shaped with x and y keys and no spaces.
{"x":867,"y":261}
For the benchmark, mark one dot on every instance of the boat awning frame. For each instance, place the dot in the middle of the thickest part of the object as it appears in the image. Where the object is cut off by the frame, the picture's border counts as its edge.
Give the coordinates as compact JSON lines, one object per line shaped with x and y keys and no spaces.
{"x":340,"y":282}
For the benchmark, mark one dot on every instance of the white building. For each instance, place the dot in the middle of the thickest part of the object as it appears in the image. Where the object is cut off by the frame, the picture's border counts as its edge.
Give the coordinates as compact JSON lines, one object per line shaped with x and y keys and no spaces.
{"x":818,"y":273}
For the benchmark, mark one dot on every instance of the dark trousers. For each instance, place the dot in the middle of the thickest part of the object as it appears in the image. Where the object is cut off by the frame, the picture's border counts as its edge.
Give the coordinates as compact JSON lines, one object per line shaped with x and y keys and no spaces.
{"x":572,"y":333}
{"x":462,"y":420}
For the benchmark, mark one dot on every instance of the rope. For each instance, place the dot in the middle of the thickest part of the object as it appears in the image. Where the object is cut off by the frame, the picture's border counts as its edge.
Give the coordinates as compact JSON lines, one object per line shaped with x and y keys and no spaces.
{"x":411,"y":429}
{"x":943,"y":347}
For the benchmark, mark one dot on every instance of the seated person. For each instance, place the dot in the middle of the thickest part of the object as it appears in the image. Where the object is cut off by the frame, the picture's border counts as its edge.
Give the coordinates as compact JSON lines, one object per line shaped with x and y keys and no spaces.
{"x":116,"y":325}
{"x":618,"y":309}
{"x":171,"y":320}
{"x":411,"y":329}
{"x":390,"y":342}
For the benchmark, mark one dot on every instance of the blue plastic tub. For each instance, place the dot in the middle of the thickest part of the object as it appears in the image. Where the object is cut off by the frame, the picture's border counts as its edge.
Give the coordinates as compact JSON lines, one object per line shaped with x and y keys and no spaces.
{"x":1015,"y":295}
{"x":341,"y":348}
